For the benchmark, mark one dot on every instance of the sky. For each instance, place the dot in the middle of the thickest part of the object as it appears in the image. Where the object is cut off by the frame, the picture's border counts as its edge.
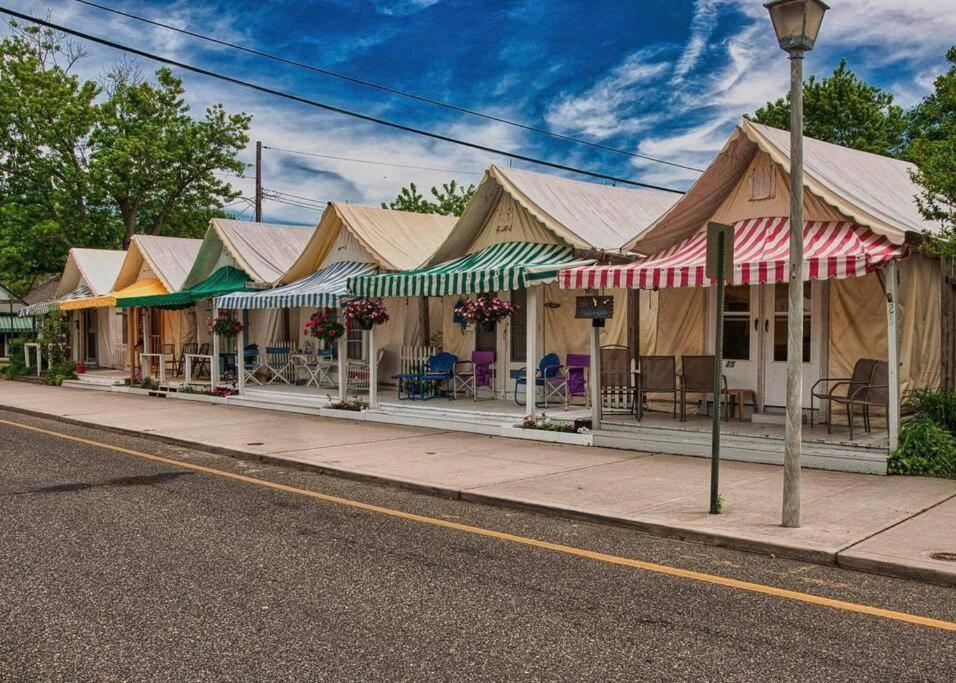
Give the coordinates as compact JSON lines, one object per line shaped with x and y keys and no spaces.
{"x":668,"y":79}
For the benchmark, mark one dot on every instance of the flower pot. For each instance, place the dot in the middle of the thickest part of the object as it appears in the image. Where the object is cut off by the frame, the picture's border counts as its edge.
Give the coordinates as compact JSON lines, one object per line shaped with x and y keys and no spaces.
{"x":364,"y":325}
{"x":486,"y":325}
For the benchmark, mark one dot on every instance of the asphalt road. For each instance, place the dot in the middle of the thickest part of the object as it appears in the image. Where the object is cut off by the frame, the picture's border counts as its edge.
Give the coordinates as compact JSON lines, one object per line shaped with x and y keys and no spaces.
{"x":114,"y":567}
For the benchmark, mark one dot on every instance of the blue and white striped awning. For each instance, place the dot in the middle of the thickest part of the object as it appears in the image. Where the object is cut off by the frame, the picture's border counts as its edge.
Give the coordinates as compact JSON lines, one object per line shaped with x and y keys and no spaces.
{"x":81,"y":292}
{"x":509,"y":265}
{"x":321,"y":289}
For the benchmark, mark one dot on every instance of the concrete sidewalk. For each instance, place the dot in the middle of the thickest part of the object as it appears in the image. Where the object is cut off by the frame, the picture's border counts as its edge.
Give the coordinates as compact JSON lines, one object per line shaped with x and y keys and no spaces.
{"x":873,"y":523}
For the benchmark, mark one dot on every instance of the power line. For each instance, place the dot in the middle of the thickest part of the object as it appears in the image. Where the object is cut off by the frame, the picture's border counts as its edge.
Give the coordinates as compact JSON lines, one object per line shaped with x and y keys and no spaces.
{"x":295,"y":196}
{"x":370,"y":161}
{"x":385,"y":88}
{"x":326,"y":107}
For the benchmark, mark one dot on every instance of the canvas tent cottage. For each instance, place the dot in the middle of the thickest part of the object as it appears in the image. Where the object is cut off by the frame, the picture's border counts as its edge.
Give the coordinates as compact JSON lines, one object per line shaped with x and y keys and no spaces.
{"x":870,"y":292}
{"x":11,"y":324}
{"x":232,"y":255}
{"x":516,"y":231}
{"x":96,"y":338}
{"x":350,"y":240}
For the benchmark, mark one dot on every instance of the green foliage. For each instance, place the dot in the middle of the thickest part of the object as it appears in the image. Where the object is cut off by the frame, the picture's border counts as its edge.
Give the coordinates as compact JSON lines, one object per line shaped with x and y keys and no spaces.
{"x":720,"y":503}
{"x":16,"y":366}
{"x":927,"y":443}
{"x":933,"y":150}
{"x":546,"y":424}
{"x":449,"y":201}
{"x":149,"y":383}
{"x":354,"y":405}
{"x":939,"y":405}
{"x":64,"y":369}
{"x":844,"y":110}
{"x":89,"y":164}
{"x":925,"y":448}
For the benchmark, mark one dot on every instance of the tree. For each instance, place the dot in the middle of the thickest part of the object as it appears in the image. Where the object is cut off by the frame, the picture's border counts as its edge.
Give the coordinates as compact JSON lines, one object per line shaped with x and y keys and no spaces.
{"x":933,"y":150}
{"x":844,"y":110}
{"x":449,"y":201}
{"x":89,"y":165}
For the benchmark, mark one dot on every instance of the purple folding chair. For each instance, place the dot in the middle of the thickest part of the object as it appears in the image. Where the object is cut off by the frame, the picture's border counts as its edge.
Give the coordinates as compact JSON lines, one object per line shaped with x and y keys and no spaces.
{"x":572,"y":382}
{"x":471,"y":375}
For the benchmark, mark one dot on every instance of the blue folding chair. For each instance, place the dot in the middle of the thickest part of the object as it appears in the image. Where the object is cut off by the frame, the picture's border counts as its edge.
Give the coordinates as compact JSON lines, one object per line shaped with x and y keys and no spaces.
{"x":440,"y":369}
{"x":549,"y":367}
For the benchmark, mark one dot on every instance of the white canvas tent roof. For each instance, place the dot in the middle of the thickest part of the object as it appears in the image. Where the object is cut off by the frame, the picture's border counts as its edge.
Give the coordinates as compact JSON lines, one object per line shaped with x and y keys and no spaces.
{"x":169,"y":259}
{"x":871,"y":190}
{"x":394,"y":240}
{"x":95,"y":268}
{"x":581,"y":214}
{"x":263,"y":250}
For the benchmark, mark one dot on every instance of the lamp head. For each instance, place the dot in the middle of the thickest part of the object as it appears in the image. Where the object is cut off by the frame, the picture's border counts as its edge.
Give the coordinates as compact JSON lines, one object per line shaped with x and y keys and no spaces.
{"x":796,"y":22}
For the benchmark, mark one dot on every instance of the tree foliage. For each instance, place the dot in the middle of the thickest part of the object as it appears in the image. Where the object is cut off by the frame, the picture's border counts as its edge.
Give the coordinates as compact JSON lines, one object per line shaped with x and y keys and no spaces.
{"x":844,"y":110}
{"x":933,"y":150}
{"x":87,"y":164}
{"x":450,"y":200}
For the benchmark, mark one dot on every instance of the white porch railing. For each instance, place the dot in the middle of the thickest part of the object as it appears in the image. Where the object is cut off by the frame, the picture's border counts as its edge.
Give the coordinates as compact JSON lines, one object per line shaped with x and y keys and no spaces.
{"x":413,"y":358}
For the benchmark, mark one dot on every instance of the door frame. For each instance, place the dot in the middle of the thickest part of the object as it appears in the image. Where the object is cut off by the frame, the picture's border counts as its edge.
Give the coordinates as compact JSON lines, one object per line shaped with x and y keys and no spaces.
{"x":764,"y":315}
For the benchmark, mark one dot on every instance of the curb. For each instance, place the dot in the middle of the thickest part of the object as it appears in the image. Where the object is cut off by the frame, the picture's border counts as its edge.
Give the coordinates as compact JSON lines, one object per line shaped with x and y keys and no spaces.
{"x":653,"y":528}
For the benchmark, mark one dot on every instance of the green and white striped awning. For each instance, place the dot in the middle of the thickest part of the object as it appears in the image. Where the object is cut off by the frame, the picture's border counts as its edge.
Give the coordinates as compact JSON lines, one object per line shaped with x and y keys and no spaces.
{"x":496,"y":268}
{"x":81,"y":292}
{"x":321,"y":289}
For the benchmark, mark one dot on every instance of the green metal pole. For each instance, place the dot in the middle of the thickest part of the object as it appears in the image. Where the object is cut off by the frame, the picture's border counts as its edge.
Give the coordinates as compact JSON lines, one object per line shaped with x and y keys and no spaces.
{"x":718,"y":353}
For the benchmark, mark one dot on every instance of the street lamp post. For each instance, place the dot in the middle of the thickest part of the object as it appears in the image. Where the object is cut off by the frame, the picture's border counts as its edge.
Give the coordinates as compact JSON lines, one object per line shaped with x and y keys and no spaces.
{"x":796,"y":23}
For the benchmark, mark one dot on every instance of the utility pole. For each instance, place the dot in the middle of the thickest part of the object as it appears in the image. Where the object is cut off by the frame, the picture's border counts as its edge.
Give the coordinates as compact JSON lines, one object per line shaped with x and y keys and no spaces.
{"x":258,"y":181}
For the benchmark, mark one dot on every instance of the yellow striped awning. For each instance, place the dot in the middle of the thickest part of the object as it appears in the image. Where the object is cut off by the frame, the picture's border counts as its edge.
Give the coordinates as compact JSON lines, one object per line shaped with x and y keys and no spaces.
{"x":145,"y":287}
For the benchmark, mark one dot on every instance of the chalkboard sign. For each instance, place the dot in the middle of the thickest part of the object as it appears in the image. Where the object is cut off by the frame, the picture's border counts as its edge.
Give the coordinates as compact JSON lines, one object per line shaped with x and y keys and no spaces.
{"x":594,"y":307}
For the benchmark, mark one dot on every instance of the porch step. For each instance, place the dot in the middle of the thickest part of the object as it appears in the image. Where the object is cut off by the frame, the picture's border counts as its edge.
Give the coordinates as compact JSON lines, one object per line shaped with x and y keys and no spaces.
{"x":275,"y":400}
{"x":844,"y":457}
{"x":82,"y":384}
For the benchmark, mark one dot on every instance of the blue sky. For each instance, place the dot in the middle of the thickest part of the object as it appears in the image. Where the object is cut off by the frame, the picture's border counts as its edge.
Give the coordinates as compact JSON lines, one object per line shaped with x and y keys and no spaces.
{"x":667,"y":78}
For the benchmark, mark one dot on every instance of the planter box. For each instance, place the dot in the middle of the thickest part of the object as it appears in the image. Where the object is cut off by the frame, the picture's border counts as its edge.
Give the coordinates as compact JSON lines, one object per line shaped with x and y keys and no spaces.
{"x":570,"y":438}
{"x":342,"y":414}
{"x":137,"y":390}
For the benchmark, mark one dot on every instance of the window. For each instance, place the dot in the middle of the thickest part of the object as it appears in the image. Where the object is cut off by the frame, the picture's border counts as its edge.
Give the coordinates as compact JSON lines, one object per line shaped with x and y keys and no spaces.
{"x":780,"y":326}
{"x":737,"y":322}
{"x":519,"y":326}
{"x":762,"y":183}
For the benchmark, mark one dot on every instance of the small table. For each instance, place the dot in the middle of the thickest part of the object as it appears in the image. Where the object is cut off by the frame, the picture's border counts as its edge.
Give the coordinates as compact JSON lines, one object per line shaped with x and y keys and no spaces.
{"x":413,"y":384}
{"x":739,"y":397}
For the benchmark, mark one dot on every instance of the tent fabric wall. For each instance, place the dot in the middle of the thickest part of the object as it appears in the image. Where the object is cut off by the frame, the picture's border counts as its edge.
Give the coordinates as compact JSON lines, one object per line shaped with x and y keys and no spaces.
{"x":510,"y":222}
{"x":858,"y":323}
{"x":678,"y":318}
{"x":109,"y":338}
{"x":738,"y":205}
{"x":920,"y":337}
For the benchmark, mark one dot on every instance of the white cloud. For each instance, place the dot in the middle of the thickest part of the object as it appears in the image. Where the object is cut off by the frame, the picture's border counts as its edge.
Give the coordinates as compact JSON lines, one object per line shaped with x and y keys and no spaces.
{"x":701,"y":27}
{"x":605,"y":109}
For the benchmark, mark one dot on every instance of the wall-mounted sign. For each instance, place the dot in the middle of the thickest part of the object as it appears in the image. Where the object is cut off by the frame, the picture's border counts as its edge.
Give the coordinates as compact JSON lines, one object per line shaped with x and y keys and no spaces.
{"x":594,"y":307}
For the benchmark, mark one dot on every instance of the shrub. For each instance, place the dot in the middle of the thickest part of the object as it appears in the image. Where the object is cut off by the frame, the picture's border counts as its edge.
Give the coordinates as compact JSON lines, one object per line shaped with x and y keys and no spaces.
{"x":546,"y":424}
{"x":939,"y":405}
{"x":354,"y":406}
{"x":16,"y":366}
{"x":925,"y":448}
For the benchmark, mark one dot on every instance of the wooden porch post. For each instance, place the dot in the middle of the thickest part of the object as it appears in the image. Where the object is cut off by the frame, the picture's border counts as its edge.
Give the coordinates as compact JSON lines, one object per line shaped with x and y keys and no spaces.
{"x":131,"y":342}
{"x":893,"y":355}
{"x":241,"y":360}
{"x":214,"y":365}
{"x":595,"y":379}
{"x":531,"y":346}
{"x":372,"y":370}
{"x":343,"y":361}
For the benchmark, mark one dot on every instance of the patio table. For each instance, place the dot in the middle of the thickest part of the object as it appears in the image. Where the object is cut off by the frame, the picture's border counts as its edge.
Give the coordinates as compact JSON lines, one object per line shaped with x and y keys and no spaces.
{"x":413,"y":384}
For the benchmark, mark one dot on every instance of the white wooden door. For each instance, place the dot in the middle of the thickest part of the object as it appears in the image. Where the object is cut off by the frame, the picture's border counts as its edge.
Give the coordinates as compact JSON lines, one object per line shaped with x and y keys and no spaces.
{"x":773,"y":328}
{"x":741,"y":347}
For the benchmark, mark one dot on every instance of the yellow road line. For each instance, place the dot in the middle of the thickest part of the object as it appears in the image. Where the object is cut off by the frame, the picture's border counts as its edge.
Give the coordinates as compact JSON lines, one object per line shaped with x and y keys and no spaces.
{"x":522,"y":540}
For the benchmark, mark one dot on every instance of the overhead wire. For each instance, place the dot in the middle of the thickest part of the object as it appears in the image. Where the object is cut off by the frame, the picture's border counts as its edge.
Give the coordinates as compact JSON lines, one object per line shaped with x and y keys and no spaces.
{"x":371,"y":161}
{"x":321,"y":105}
{"x":385,"y":88}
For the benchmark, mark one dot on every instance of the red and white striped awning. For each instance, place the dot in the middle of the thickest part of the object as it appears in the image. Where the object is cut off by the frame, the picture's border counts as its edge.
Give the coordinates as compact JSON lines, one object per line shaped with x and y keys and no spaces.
{"x":832,"y":250}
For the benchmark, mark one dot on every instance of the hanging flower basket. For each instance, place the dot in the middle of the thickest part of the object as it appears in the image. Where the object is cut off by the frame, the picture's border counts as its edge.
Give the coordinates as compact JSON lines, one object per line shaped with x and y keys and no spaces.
{"x":225,"y":326}
{"x":363,"y":314}
{"x":323,"y":326}
{"x":485,"y":310}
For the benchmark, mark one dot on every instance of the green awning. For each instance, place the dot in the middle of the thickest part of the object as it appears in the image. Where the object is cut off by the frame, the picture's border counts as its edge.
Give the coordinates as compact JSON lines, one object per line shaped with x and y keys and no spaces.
{"x":496,"y":268}
{"x":224,"y":281}
{"x":12,"y":323}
